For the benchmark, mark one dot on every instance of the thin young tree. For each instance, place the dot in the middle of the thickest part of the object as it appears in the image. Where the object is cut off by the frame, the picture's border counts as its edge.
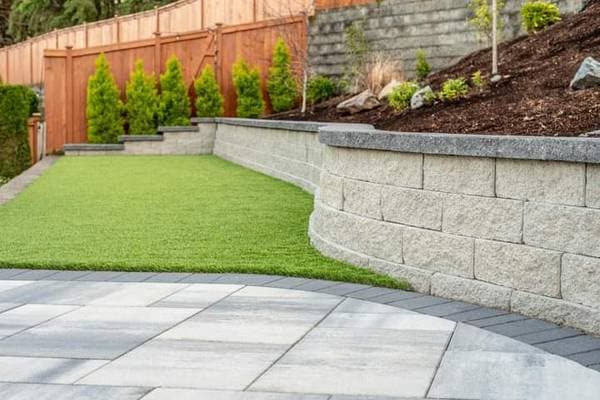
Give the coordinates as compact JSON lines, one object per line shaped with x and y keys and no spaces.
{"x":142,"y":101}
{"x":281,"y":84}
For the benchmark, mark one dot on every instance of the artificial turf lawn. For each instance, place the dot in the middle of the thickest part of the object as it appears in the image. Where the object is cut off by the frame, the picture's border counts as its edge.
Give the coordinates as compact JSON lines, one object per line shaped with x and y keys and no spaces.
{"x":193,"y":214}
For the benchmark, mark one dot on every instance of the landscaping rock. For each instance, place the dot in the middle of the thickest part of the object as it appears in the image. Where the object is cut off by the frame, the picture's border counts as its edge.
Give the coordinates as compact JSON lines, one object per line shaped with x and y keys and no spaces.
{"x":362,"y":102}
{"x":387,"y":90}
{"x":588,"y":75}
{"x":420,"y":98}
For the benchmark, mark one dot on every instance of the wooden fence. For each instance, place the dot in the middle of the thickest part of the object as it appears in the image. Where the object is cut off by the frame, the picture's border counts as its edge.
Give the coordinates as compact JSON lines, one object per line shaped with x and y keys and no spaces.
{"x":22,"y":63}
{"x":67,"y":71}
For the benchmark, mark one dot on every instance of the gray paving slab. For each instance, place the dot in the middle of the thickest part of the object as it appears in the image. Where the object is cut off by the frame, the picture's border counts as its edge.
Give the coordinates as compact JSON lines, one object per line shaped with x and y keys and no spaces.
{"x":93,"y":332}
{"x":444,"y":309}
{"x":9,"y":285}
{"x":397,"y":296}
{"x":10,"y":272}
{"x":523,"y":327}
{"x":549,"y":335}
{"x":58,"y":292}
{"x":595,"y":367}
{"x":247,"y":279}
{"x":34,"y":275}
{"x":168,"y":277}
{"x":8,"y":306}
{"x":189,"y":364}
{"x":197,"y":295}
{"x":470,"y":338}
{"x":587,"y":358}
{"x":100,"y":276}
{"x":343,"y":289}
{"x":351,"y":305}
{"x":315,"y":285}
{"x":573,"y":345}
{"x":201,"y":278}
{"x":476,"y":314}
{"x":45,"y":370}
{"x":21,"y":391}
{"x":133,"y":277}
{"x":397,"y":321}
{"x":24,"y":317}
{"x":287,"y":283}
{"x":195,"y":394}
{"x":67,"y":275}
{"x":371,"y":292}
{"x":497,"y":320}
{"x":420,"y":302}
{"x":138,"y":294}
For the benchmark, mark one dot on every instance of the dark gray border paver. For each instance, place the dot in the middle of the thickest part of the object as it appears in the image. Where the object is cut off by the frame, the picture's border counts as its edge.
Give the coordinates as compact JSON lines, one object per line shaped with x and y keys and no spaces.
{"x":549,"y":336}
{"x":287,"y":283}
{"x":11,"y":272}
{"x":100,"y":276}
{"x":201,"y":278}
{"x":371,"y":292}
{"x":133,"y":277}
{"x":475,"y":314}
{"x":34,"y":275}
{"x":67,"y":275}
{"x":247,"y":279}
{"x":420,"y":302}
{"x":587,"y":358}
{"x":168,"y":277}
{"x":497,"y":320}
{"x":573,"y":345}
{"x":444,"y":309}
{"x":396,"y":296}
{"x":523,"y":327}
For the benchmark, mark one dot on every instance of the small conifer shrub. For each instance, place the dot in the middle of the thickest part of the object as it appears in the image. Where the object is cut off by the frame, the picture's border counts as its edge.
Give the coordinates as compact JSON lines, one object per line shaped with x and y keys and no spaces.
{"x":538,"y":15}
{"x":320,"y":88}
{"x":209,"y":100}
{"x":423,"y":68}
{"x":142,"y":101}
{"x":400,"y":97}
{"x":281,"y":85}
{"x":174,"y":106}
{"x":104,"y":107}
{"x":250,"y":103}
{"x":454,"y":89}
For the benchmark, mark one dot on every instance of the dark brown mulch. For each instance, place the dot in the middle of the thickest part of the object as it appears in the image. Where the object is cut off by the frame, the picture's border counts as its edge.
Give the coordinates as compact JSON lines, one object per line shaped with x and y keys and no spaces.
{"x":533,"y":98}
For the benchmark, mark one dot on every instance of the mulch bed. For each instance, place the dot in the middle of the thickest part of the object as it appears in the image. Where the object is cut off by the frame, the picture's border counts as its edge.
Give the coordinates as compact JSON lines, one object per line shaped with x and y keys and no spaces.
{"x":533,"y":98}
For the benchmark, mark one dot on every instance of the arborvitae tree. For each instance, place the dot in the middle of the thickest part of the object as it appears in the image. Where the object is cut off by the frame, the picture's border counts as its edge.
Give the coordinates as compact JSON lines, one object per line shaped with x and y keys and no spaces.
{"x":14,"y":146}
{"x":142,"y":101}
{"x":104,"y":119}
{"x":422,"y":65}
{"x":250,"y":103}
{"x":281,"y":85}
{"x":209,"y":100}
{"x":174,"y":106}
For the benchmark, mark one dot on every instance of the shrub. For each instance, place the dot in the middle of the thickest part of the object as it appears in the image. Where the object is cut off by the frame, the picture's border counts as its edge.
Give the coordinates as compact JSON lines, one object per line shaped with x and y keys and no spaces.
{"x":356,"y":48}
{"x":104,"y":108}
{"x":15,"y":108}
{"x":538,"y":15}
{"x":320,"y":88}
{"x":209,"y":100}
{"x":400,"y":97}
{"x":281,"y":85}
{"x":454,"y":89}
{"x":477,"y":80}
{"x":381,"y":70}
{"x":142,"y":101}
{"x":422,"y":66}
{"x":250,"y":103}
{"x":174,"y":106}
{"x":482,"y":17}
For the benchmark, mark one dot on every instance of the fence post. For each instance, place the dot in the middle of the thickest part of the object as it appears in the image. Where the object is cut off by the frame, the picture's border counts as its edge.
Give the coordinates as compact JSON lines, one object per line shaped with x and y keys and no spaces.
{"x":202,"y":14}
{"x":157,"y":54}
{"x":69,"y":95}
{"x":254,"y":10}
{"x":85,"y":31}
{"x":7,"y":77}
{"x":157,"y":12}
{"x":118,"y":28}
{"x":30,"y":61}
{"x":218,"y":53}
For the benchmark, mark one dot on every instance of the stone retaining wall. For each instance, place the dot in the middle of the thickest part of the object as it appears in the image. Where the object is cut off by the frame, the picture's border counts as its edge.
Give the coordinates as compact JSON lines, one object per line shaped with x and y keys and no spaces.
{"x":399,"y":28}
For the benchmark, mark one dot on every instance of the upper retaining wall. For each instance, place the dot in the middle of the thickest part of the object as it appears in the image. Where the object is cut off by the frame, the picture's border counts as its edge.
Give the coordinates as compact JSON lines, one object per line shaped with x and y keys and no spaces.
{"x":400,"y":27}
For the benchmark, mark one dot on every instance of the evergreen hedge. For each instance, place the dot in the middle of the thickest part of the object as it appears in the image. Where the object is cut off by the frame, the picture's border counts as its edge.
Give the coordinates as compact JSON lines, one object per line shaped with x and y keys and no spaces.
{"x":104,"y":107}
{"x":174,"y":108}
{"x":209,"y":100}
{"x":142,"y":101}
{"x":281,"y":85}
{"x":15,"y":109}
{"x":250,"y":103}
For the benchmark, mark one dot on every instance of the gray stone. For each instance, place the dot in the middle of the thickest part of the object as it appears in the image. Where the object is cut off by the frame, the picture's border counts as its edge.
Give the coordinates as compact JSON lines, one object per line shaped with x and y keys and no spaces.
{"x":587,"y":76}
{"x":419,"y":208}
{"x":331,"y":190}
{"x":518,"y":266}
{"x":421,"y":98}
{"x":563,"y":228}
{"x":362,"y":198}
{"x":419,"y":279}
{"x":438,"y":252}
{"x":471,"y":291}
{"x":464,"y":175}
{"x":388,"y":89}
{"x":361,"y":102}
{"x":580,"y":280}
{"x":553,"y":182}
{"x":483,"y":217}
{"x":592,"y":195}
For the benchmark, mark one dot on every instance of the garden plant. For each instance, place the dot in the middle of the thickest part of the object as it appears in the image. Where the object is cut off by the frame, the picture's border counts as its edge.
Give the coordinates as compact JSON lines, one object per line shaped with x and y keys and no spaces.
{"x":174,"y":105}
{"x":15,"y":108}
{"x":250,"y":103}
{"x":400,"y":97}
{"x":538,"y":15}
{"x":282,"y":85}
{"x":142,"y":102}
{"x":209,"y":100}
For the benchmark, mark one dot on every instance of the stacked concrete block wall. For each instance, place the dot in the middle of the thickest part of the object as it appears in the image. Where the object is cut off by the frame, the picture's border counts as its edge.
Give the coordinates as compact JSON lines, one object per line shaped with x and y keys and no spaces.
{"x":398,"y":28}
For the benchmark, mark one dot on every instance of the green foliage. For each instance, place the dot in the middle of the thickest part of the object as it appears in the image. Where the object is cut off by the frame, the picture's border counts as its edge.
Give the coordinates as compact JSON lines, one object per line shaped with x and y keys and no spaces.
{"x":209,"y":100}
{"x":482,"y":17}
{"x":400,"y":97}
{"x":538,"y":15}
{"x":357,"y":49}
{"x":15,"y":107}
{"x":104,"y":107}
{"x":477,"y":80}
{"x":250,"y":103}
{"x":320,"y":88}
{"x":282,"y":85}
{"x":454,"y":89}
{"x":174,"y":108}
{"x":142,"y":101}
{"x":423,"y":68}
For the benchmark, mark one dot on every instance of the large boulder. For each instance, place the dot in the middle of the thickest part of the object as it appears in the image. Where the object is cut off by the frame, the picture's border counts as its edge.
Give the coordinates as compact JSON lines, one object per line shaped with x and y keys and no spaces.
{"x":362,"y":102}
{"x":388,"y":89}
{"x":587,"y":76}
{"x":422,"y":97}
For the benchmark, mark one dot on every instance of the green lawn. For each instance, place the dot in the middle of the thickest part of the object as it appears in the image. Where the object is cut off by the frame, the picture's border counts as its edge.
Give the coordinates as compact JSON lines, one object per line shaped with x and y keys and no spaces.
{"x":194,"y":213}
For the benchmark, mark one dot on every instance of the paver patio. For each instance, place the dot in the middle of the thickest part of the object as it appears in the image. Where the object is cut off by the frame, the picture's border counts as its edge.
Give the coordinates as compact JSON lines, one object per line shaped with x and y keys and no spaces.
{"x":92,"y":339}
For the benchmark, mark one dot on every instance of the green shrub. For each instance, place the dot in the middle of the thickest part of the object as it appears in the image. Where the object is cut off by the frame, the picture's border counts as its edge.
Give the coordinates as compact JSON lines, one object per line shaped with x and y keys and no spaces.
{"x":320,"y":88}
{"x":250,"y":103}
{"x":454,"y":89}
{"x":400,"y":97}
{"x":142,"y":101}
{"x":282,"y":85}
{"x":423,"y":68}
{"x":477,"y":80}
{"x":174,"y":105}
{"x":482,"y":17}
{"x":538,"y":15}
{"x":104,"y":108}
{"x":209,"y":100}
{"x":15,"y":107}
